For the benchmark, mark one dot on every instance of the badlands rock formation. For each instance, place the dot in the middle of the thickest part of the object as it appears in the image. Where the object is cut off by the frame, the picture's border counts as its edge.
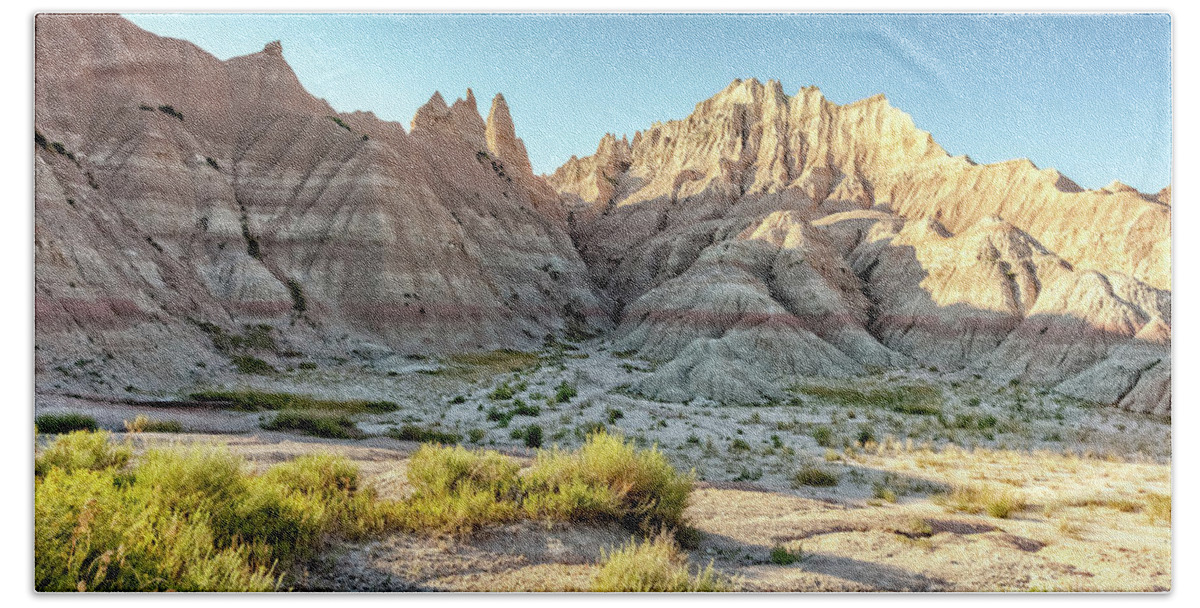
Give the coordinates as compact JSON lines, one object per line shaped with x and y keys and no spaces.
{"x":766,"y":237}
{"x":191,"y":210}
{"x":192,"y":213}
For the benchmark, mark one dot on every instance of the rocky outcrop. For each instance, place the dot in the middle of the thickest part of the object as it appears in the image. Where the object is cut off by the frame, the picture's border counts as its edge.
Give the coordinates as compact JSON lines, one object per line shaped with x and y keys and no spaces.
{"x":181,"y":221}
{"x":846,"y":238}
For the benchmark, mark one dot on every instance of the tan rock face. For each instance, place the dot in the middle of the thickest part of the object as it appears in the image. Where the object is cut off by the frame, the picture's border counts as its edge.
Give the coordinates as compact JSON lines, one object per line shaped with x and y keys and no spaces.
{"x":845,"y":237}
{"x":233,"y":197}
{"x":763,"y":238}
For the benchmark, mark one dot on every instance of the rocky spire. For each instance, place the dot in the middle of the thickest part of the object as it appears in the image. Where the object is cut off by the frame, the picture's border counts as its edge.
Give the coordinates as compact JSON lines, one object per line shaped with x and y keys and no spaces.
{"x":502,"y":138}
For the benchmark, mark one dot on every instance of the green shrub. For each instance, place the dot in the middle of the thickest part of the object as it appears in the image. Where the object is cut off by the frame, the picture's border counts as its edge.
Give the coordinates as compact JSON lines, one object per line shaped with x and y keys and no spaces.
{"x":249,"y":364}
{"x":739,"y":445}
{"x":257,"y":401}
{"x":1000,"y":503}
{"x":785,"y":557}
{"x":193,"y":520}
{"x":564,"y":392}
{"x":533,"y":436}
{"x":520,"y":408}
{"x":503,"y":392}
{"x":143,"y":424}
{"x":476,"y":435}
{"x":813,"y":476}
{"x":656,"y":565}
{"x":317,"y":425}
{"x":55,"y":424}
{"x":615,"y":414}
{"x":82,"y":450}
{"x":170,"y":111}
{"x":912,"y":399}
{"x":410,"y":432}
{"x":456,"y":490}
{"x":824,"y":436}
{"x":607,"y":479}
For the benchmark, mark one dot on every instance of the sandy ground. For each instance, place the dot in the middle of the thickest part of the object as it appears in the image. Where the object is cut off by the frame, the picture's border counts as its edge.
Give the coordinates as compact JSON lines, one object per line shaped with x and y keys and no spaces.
{"x":1073,"y":463}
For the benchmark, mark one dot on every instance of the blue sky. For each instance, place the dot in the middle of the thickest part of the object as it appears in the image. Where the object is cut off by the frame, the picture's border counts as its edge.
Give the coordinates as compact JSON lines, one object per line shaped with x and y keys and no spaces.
{"x":1087,"y":94}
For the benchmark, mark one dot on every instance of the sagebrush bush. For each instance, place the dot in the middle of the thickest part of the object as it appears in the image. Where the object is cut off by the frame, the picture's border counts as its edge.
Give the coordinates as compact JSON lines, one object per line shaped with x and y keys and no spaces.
{"x":249,"y":400}
{"x":608,"y":478}
{"x":456,"y":490}
{"x":1000,"y":503}
{"x":144,"y":424}
{"x":317,"y":425}
{"x":82,"y":450}
{"x":813,"y":476}
{"x":655,"y":565}
{"x":192,"y":519}
{"x":55,"y":424}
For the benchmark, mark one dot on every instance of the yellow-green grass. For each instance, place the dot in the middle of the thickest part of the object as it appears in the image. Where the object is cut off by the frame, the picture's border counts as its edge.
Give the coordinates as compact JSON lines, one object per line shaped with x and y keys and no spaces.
{"x":654,"y":565}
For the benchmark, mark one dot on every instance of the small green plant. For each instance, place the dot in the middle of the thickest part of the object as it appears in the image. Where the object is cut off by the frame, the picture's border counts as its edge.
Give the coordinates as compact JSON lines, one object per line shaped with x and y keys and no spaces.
{"x":999,"y":503}
{"x":564,"y":392}
{"x":249,"y":364}
{"x":317,"y":425}
{"x":82,"y":450}
{"x":476,"y":435}
{"x":655,"y":565}
{"x":533,"y":436}
{"x":520,"y":408}
{"x":824,"y":436}
{"x":614,"y":414}
{"x":144,"y":424}
{"x":256,"y":401}
{"x":739,"y":446}
{"x":883,"y":492}
{"x":340,"y":123}
{"x":410,"y":432}
{"x":170,"y":111}
{"x":456,"y":490}
{"x":189,"y":519}
{"x":813,"y":476}
{"x":503,"y":392}
{"x":607,"y":478}
{"x":917,"y":399}
{"x":785,"y":557}
{"x":55,"y":424}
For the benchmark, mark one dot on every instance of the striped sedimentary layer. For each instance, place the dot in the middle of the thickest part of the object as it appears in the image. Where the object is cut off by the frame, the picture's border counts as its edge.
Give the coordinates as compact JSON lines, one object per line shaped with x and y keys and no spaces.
{"x":766,"y":237}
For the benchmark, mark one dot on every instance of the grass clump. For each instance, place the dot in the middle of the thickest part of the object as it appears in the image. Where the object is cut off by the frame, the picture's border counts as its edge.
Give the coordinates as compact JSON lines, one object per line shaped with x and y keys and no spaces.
{"x":1158,"y":508}
{"x":55,"y":424}
{"x":824,"y":436}
{"x":411,"y":432}
{"x":82,"y":450}
{"x":504,"y":392}
{"x":191,"y":520}
{"x":249,"y":364}
{"x":655,"y":565}
{"x":498,"y":361}
{"x":457,"y":490}
{"x":143,"y":424}
{"x":813,"y":476}
{"x":607,"y":479}
{"x":257,"y":401}
{"x":996,"y":502}
{"x":785,"y":557}
{"x":564,"y":392}
{"x":917,"y":399}
{"x":317,"y":425}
